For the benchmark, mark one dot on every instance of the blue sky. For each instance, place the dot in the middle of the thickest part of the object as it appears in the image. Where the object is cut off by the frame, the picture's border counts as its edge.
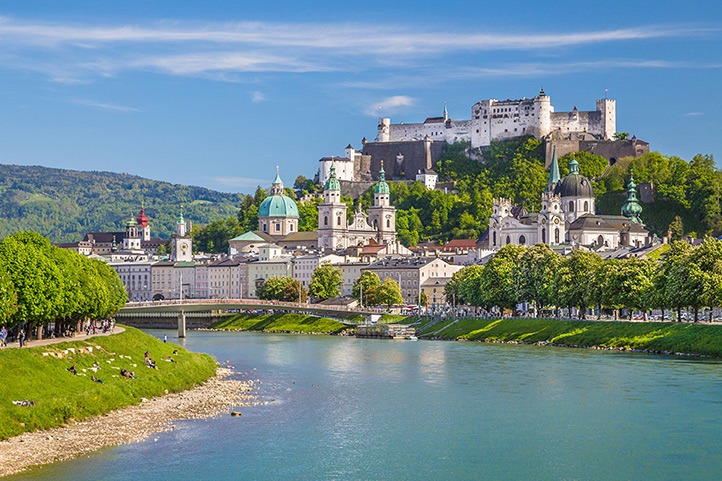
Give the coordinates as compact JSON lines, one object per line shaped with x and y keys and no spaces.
{"x":219,"y":93}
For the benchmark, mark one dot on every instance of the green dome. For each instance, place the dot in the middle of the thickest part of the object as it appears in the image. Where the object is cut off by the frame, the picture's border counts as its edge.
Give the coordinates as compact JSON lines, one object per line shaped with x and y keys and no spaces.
{"x":278,"y":206}
{"x":332,"y":183}
{"x":631,"y":209}
{"x":382,"y":187}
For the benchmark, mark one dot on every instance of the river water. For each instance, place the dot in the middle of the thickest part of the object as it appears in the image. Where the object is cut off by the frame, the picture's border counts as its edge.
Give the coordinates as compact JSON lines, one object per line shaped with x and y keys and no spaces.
{"x":355,"y":409}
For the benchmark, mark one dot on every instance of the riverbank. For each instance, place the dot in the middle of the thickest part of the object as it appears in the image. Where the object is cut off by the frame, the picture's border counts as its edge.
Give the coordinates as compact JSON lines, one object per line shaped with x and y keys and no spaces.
{"x":126,"y":425}
{"x":281,"y":323}
{"x":651,"y":337}
{"x":40,"y":392}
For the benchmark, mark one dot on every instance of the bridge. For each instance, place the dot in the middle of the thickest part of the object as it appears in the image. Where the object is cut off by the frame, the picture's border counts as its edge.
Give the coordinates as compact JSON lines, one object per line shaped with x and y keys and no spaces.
{"x":181,"y":308}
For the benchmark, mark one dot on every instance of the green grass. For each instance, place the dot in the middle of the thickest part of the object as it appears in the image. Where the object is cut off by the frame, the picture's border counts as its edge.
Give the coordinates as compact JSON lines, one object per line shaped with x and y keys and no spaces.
{"x":656,"y":254}
{"x":61,"y":396}
{"x":281,"y":323}
{"x":657,"y":336}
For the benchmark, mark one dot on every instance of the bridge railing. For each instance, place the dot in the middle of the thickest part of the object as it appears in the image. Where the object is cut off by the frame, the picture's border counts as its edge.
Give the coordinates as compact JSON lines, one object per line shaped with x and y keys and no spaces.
{"x":251,"y":303}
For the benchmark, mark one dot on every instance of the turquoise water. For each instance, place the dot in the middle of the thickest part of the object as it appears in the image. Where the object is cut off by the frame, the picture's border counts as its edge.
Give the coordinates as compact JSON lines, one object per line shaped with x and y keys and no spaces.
{"x":392,"y":410}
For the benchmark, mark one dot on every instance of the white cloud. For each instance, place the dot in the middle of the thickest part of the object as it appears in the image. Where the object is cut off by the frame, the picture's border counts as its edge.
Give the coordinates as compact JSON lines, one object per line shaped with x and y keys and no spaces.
{"x":106,"y":106}
{"x":692,"y":114}
{"x":390,"y":105}
{"x":258,"y":97}
{"x":238,"y":182}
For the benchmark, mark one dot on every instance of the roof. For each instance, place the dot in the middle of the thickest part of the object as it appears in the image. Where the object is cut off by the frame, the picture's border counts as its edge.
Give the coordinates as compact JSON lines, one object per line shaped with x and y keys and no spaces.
{"x":461,"y":244}
{"x":301,"y":236}
{"x":427,"y":172}
{"x":336,"y":159}
{"x":164,"y":264}
{"x":229,"y":262}
{"x":249,"y":236}
{"x":382,"y":187}
{"x":186,"y":264}
{"x":401,"y":263}
{"x":278,"y":206}
{"x":332,"y":182}
{"x":104,"y":237}
{"x":591,"y":222}
{"x":574,"y":184}
{"x":434,"y":120}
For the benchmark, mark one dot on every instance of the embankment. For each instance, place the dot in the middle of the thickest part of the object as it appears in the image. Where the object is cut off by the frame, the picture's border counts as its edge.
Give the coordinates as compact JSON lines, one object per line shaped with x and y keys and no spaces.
{"x":657,"y":337}
{"x":295,"y":323}
{"x":40,"y":375}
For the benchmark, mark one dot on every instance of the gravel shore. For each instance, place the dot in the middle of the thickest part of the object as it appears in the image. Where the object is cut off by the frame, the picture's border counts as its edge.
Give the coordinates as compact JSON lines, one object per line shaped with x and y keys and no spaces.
{"x":126,"y":425}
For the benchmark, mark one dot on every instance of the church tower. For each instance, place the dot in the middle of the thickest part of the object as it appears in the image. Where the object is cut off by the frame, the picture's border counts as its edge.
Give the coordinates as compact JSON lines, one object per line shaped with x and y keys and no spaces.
{"x":382,"y":216}
{"x":131,"y":241}
{"x":181,"y":244}
{"x":631,"y":209}
{"x":143,"y":226}
{"x":332,"y":225}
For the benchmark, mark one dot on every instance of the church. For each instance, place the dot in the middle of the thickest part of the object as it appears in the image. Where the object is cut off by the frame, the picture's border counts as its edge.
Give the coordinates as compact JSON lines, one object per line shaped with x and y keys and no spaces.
{"x":567,"y":216}
{"x":278,"y":220}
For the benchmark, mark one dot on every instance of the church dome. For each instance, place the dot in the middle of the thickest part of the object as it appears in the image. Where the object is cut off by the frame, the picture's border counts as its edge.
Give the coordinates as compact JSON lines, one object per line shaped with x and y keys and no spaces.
{"x":142,"y":219}
{"x":278,"y":204}
{"x":332,"y":183}
{"x":574,"y":184}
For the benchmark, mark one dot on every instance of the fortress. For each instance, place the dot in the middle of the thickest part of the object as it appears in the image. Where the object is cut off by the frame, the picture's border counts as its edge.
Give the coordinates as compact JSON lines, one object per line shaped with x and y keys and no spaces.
{"x":493,"y":120}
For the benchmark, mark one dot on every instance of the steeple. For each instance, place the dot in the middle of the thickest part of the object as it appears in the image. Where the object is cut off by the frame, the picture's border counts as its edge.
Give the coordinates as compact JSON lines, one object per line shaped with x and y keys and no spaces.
{"x":553,"y":171}
{"x":277,"y":186}
{"x":631,"y":209}
{"x":332,"y":183}
{"x":574,"y":166}
{"x":446,"y":113}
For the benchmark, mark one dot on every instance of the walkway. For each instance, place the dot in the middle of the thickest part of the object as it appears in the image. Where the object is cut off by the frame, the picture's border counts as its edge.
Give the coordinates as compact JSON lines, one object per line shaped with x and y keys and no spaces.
{"x":78,"y":337}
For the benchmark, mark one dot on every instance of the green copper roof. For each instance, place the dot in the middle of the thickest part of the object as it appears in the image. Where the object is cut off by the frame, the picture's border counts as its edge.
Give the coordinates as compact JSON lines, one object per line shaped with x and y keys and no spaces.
{"x":554,"y":176}
{"x":382,"y":187}
{"x":277,"y":180}
{"x":131,"y":222}
{"x":631,"y":209}
{"x":332,"y":183}
{"x":180,"y":220}
{"x":574,"y":166}
{"x":248,"y":236}
{"x":278,"y":206}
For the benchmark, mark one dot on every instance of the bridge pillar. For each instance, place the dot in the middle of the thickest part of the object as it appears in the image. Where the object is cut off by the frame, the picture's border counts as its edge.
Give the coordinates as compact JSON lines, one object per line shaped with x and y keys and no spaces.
{"x":181,"y":324}
{"x":372,"y":318}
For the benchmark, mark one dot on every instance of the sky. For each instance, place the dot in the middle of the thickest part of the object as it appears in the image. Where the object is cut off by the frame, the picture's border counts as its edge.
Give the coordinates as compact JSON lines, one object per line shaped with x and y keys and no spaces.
{"x":218,"y":94}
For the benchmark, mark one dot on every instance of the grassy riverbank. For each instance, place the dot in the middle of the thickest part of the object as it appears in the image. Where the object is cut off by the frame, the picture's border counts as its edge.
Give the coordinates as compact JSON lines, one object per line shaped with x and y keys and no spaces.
{"x":60,"y":396}
{"x":653,"y":336}
{"x":281,"y":323}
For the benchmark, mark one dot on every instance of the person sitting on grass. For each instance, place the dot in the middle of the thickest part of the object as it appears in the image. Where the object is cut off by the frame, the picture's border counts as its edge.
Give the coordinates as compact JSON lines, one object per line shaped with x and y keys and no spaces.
{"x":95,"y":379}
{"x":128,"y":374}
{"x":72,"y":369}
{"x":148,"y":361}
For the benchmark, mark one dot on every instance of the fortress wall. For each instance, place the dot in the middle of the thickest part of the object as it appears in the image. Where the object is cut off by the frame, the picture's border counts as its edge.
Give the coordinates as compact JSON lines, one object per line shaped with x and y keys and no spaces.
{"x":578,"y":122}
{"x":413,"y":158}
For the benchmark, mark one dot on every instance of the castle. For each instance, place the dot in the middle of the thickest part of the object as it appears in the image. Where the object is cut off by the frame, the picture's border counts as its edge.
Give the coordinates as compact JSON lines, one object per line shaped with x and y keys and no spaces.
{"x":493,"y":120}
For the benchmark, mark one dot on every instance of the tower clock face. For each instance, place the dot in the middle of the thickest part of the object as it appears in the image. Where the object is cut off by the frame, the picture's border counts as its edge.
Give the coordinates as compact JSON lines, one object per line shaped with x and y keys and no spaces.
{"x":183,"y":246}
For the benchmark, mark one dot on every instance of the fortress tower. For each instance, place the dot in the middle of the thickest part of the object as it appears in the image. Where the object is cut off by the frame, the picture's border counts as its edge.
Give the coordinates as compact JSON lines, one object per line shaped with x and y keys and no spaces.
{"x":608,"y":109}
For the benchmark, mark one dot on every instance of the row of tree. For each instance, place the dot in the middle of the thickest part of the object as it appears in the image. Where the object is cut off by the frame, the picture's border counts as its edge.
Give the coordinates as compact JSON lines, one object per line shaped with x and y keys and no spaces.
{"x":686,"y":277}
{"x":41,"y":283}
{"x":325,"y":284}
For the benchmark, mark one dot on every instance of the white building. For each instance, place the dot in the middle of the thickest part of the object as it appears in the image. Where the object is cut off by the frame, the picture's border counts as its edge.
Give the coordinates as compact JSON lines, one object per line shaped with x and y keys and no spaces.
{"x":304,"y":266}
{"x":493,"y":120}
{"x":270,"y":263}
{"x":428,"y":177}
{"x":137,"y":279}
{"x":228,"y":278}
{"x":343,"y":166}
{"x":350,"y":271}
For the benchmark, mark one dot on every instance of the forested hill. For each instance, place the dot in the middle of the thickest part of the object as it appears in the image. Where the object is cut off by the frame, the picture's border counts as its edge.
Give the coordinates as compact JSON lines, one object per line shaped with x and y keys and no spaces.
{"x":65,"y":204}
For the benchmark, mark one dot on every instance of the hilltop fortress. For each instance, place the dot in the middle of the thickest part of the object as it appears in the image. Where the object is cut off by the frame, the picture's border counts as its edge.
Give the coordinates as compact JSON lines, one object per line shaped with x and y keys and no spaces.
{"x":408,"y":149}
{"x":493,"y":120}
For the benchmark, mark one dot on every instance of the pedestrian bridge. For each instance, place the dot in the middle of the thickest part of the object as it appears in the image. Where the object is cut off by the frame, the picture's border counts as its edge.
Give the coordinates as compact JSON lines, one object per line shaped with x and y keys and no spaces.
{"x":176,"y":308}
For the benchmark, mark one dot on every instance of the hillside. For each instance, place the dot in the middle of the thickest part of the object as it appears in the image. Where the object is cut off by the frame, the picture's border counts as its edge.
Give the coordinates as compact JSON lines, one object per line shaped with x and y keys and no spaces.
{"x":65,"y":204}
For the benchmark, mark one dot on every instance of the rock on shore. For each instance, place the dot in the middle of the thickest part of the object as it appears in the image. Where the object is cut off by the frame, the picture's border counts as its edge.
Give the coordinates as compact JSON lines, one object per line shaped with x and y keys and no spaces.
{"x":125,"y":425}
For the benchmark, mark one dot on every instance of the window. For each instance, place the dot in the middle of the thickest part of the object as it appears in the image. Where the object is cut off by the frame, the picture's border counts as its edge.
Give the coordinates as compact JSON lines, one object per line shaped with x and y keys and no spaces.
{"x":522,"y":240}
{"x":508,"y":240}
{"x":325,"y":220}
{"x":544,"y":235}
{"x":556,"y":235}
{"x":586,"y":206}
{"x":338,"y":220}
{"x":278,"y":227}
{"x":571,"y":206}
{"x":388,"y":223}
{"x":493,"y":238}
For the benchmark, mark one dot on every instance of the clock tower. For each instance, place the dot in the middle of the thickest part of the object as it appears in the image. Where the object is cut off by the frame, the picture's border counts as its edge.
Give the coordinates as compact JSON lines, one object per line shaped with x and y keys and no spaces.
{"x":182,"y":244}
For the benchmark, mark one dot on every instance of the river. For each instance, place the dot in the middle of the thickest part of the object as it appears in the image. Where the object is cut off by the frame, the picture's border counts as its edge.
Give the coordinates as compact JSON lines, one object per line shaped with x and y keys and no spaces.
{"x":354,"y":409}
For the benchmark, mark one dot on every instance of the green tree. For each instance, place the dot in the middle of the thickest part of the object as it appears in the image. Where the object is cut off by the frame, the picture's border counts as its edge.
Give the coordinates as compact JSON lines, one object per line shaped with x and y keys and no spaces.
{"x":706,"y":274}
{"x":534,"y":275}
{"x":8,"y":297}
{"x":574,"y":282}
{"x":300,"y":183}
{"x":280,"y":288}
{"x":621,"y":135}
{"x":462,"y":286}
{"x":389,"y":293}
{"x":371,"y":283}
{"x":496,"y":286}
{"x":325,"y":282}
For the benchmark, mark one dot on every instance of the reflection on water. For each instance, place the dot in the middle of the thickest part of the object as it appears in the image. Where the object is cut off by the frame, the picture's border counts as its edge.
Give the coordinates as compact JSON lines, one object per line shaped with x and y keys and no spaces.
{"x":367,"y":409}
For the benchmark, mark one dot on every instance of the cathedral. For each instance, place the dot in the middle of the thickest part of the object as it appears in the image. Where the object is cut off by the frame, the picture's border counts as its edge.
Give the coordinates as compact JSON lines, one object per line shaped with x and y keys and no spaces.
{"x":278,"y":217}
{"x":567,"y":216}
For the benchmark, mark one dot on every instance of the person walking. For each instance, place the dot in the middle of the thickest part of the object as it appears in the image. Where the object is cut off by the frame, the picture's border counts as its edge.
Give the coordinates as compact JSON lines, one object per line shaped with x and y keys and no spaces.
{"x":21,"y":337}
{"x":4,"y":337}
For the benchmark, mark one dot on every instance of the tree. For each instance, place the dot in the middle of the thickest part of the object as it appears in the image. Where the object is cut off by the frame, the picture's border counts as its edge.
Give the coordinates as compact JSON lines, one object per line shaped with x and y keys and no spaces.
{"x":574,"y":281}
{"x":672,"y":276}
{"x":371,"y":283}
{"x":389,"y":293}
{"x":281,"y":288}
{"x":633,"y":280}
{"x":300,"y":183}
{"x":676,"y":229}
{"x":706,"y":274}
{"x":8,"y":297}
{"x":621,"y":135}
{"x":325,"y":282}
{"x":496,"y":286}
{"x":461,"y":288}
{"x":534,"y":275}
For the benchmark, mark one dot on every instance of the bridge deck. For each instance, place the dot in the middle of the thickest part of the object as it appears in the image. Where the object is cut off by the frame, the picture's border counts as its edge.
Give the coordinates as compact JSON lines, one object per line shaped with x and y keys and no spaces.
{"x":206,"y":305}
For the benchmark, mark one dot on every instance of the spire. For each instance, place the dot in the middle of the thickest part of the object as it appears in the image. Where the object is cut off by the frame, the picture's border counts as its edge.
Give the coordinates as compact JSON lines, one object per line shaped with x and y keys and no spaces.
{"x":381,"y":186}
{"x":554,"y":176}
{"x":382,"y":174}
{"x":632,"y":209}
{"x":277,"y":185}
{"x":541,"y":92}
{"x":180,"y":219}
{"x":446,"y":113}
{"x":332,"y":183}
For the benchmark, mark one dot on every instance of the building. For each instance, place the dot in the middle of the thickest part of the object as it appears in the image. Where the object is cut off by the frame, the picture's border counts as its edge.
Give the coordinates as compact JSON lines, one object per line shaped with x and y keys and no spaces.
{"x":433,"y":287}
{"x":493,"y":120}
{"x":379,"y":224}
{"x":427,"y":177}
{"x":278,"y":213}
{"x":228,"y":278}
{"x":181,"y":243}
{"x":411,"y":273}
{"x":137,"y":279}
{"x":248,"y":242}
{"x":350,"y":271}
{"x":567,"y":216}
{"x":305,"y":265}
{"x":271,"y":263}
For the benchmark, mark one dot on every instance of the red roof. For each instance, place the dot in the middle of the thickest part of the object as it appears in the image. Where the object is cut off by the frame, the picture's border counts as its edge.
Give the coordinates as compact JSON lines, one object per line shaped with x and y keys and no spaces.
{"x":461,"y":244}
{"x":142,"y":219}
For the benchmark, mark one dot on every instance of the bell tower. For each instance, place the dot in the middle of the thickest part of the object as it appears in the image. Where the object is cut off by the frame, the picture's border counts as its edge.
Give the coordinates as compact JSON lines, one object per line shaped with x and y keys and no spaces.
{"x":181,"y":244}
{"x":382,"y":216}
{"x":332,"y":224}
